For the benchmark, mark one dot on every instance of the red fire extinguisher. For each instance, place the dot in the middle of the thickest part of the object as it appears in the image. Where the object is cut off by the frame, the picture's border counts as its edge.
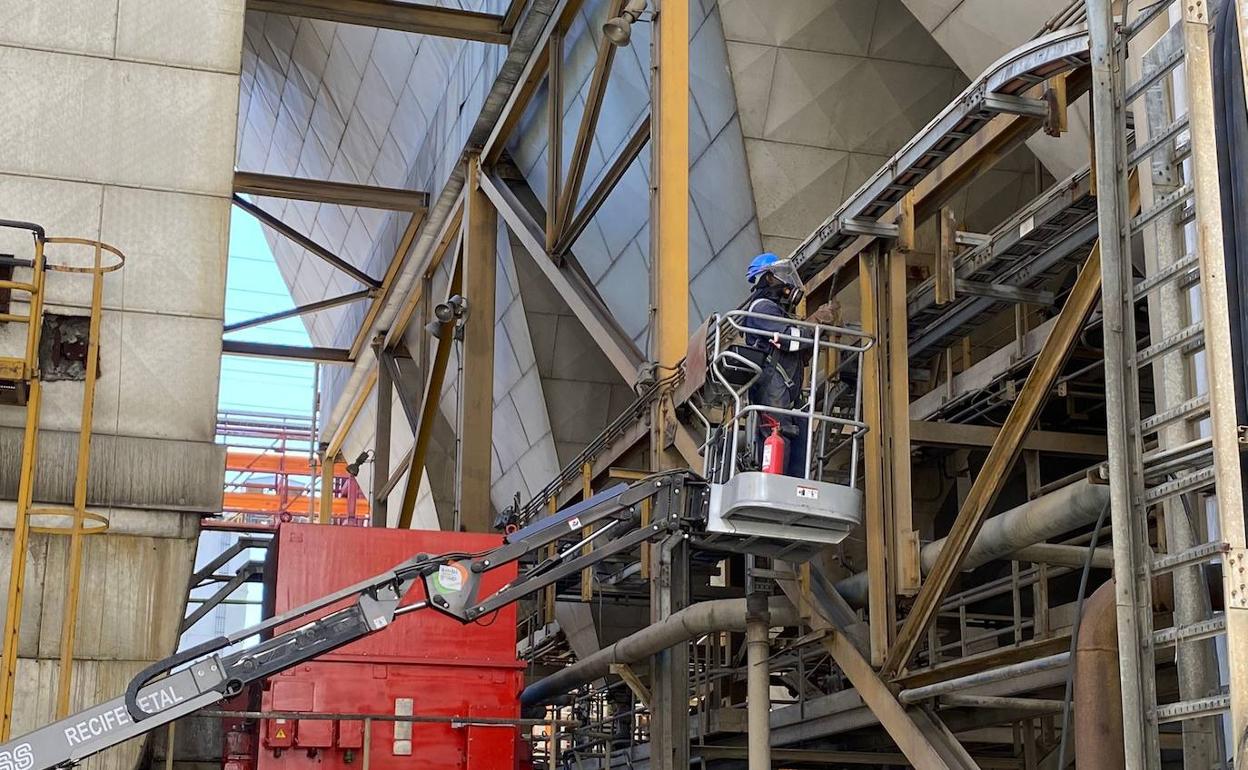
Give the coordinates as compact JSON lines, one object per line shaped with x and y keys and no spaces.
{"x":774,"y":450}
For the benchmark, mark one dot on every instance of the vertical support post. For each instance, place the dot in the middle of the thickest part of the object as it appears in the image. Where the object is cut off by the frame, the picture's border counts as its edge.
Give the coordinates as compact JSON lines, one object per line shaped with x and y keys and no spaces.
{"x":170,"y":744}
{"x":73,"y":581}
{"x":381,"y":440}
{"x":944,"y":274}
{"x":554,"y":147}
{"x":1130,"y":533}
{"x":904,"y":541}
{"x":476,"y":416}
{"x":326,"y":513}
{"x":25,"y":495}
{"x":645,"y":552}
{"x":548,"y":593}
{"x":670,"y":273}
{"x":669,"y":728}
{"x":587,"y":574}
{"x":1219,"y":360}
{"x":669,"y":290}
{"x":874,"y":468}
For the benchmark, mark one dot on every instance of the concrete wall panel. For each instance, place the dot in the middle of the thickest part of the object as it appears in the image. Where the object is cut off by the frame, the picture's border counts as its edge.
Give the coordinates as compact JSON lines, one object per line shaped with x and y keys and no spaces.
{"x":174,"y":244}
{"x":73,"y":26}
{"x":167,"y":389}
{"x":206,"y":34}
{"x":93,"y":682}
{"x":89,"y":126}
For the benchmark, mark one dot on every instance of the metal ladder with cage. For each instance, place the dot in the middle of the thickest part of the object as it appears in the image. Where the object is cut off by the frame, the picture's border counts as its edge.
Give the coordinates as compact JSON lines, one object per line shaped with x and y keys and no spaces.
{"x":1174,"y":462}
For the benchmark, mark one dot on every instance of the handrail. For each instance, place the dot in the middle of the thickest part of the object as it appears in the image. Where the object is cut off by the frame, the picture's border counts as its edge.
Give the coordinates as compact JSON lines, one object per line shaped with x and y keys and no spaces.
{"x":818,"y":338}
{"x":17,"y":224}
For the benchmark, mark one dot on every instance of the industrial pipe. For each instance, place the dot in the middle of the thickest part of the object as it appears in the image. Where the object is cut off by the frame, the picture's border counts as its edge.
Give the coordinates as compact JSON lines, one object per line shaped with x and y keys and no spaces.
{"x":1033,"y":522}
{"x":689,"y":623}
{"x":1030,"y":705}
{"x":758,"y":680}
{"x":1098,"y":689}
{"x":1064,"y":555}
{"x":990,"y":676}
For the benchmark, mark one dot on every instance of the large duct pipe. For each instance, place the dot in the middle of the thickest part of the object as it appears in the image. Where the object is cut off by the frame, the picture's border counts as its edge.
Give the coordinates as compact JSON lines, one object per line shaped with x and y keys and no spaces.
{"x":689,"y":623}
{"x":1098,"y":690}
{"x":1033,"y":522}
{"x":758,"y":681}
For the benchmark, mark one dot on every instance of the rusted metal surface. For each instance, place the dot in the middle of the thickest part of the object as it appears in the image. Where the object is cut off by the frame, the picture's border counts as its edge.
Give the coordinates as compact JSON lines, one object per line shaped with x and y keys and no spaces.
{"x":63,"y":347}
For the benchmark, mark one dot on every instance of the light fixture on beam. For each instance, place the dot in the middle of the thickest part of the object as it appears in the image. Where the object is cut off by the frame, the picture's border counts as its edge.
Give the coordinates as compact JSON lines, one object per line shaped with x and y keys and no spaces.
{"x":452,"y":311}
{"x":620,"y":29}
{"x":354,"y":468}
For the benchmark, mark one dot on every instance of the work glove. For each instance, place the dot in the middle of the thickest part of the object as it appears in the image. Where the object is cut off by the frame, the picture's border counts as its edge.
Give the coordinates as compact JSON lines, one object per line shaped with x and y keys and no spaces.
{"x":826,"y":314}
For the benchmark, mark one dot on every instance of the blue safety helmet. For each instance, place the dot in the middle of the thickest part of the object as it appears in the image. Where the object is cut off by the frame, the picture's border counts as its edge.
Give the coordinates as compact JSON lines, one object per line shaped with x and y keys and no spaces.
{"x":760,"y":265}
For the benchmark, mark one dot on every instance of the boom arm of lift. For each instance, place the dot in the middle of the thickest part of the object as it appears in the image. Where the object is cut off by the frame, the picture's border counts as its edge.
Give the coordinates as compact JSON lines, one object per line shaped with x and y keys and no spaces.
{"x":200,"y":676}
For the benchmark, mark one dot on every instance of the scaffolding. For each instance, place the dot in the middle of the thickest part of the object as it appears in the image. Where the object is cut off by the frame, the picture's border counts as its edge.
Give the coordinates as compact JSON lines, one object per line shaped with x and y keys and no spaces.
{"x":272,"y":473}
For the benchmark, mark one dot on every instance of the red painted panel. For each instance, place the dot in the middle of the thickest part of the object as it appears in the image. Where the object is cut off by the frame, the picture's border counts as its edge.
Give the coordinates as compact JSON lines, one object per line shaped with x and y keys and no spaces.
{"x":425,"y":664}
{"x":314,"y":560}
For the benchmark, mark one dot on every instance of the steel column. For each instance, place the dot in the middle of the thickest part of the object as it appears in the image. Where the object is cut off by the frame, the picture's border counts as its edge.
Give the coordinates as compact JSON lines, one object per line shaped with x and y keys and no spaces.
{"x":880,"y":606}
{"x":669,"y":277}
{"x":669,"y":594}
{"x":903,"y":541}
{"x":476,"y":414}
{"x":758,"y":681}
{"x":1219,"y":362}
{"x":554,"y":141}
{"x":429,"y":404}
{"x":381,"y":441}
{"x":1130,"y":535}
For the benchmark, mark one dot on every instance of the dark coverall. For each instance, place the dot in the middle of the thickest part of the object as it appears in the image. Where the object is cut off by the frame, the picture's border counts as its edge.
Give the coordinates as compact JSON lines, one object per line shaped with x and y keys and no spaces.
{"x":780,"y":384}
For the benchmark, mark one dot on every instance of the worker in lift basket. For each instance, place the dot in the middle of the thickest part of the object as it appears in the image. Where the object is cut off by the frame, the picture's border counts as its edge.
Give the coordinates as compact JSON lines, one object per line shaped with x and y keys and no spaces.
{"x":776,"y":290}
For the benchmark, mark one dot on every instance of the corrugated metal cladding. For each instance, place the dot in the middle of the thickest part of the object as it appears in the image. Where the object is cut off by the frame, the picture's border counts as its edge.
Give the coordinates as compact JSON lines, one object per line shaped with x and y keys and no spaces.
{"x":425,"y":664}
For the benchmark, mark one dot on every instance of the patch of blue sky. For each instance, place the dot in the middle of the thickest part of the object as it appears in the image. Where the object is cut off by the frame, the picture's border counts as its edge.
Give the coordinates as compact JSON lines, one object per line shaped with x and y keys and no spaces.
{"x":254,"y":287}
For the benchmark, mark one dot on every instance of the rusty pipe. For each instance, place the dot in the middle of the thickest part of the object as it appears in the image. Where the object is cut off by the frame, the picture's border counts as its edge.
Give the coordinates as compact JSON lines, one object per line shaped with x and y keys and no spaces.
{"x":1098,"y":690}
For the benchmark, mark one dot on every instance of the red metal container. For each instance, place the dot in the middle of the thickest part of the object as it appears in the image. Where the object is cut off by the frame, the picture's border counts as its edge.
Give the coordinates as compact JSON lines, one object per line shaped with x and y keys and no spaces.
{"x":425,"y":664}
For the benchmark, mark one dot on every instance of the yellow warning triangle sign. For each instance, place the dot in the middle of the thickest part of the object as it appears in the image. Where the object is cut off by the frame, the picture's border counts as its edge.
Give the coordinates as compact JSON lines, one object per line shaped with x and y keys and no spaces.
{"x":280,"y":734}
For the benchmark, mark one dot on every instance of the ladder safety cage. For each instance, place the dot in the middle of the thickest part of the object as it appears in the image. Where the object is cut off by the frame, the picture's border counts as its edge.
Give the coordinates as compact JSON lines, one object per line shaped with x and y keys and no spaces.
{"x":24,"y":378}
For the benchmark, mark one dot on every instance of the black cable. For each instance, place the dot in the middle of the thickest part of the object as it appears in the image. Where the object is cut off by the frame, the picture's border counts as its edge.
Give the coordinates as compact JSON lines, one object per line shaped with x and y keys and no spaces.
{"x":1074,"y":635}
